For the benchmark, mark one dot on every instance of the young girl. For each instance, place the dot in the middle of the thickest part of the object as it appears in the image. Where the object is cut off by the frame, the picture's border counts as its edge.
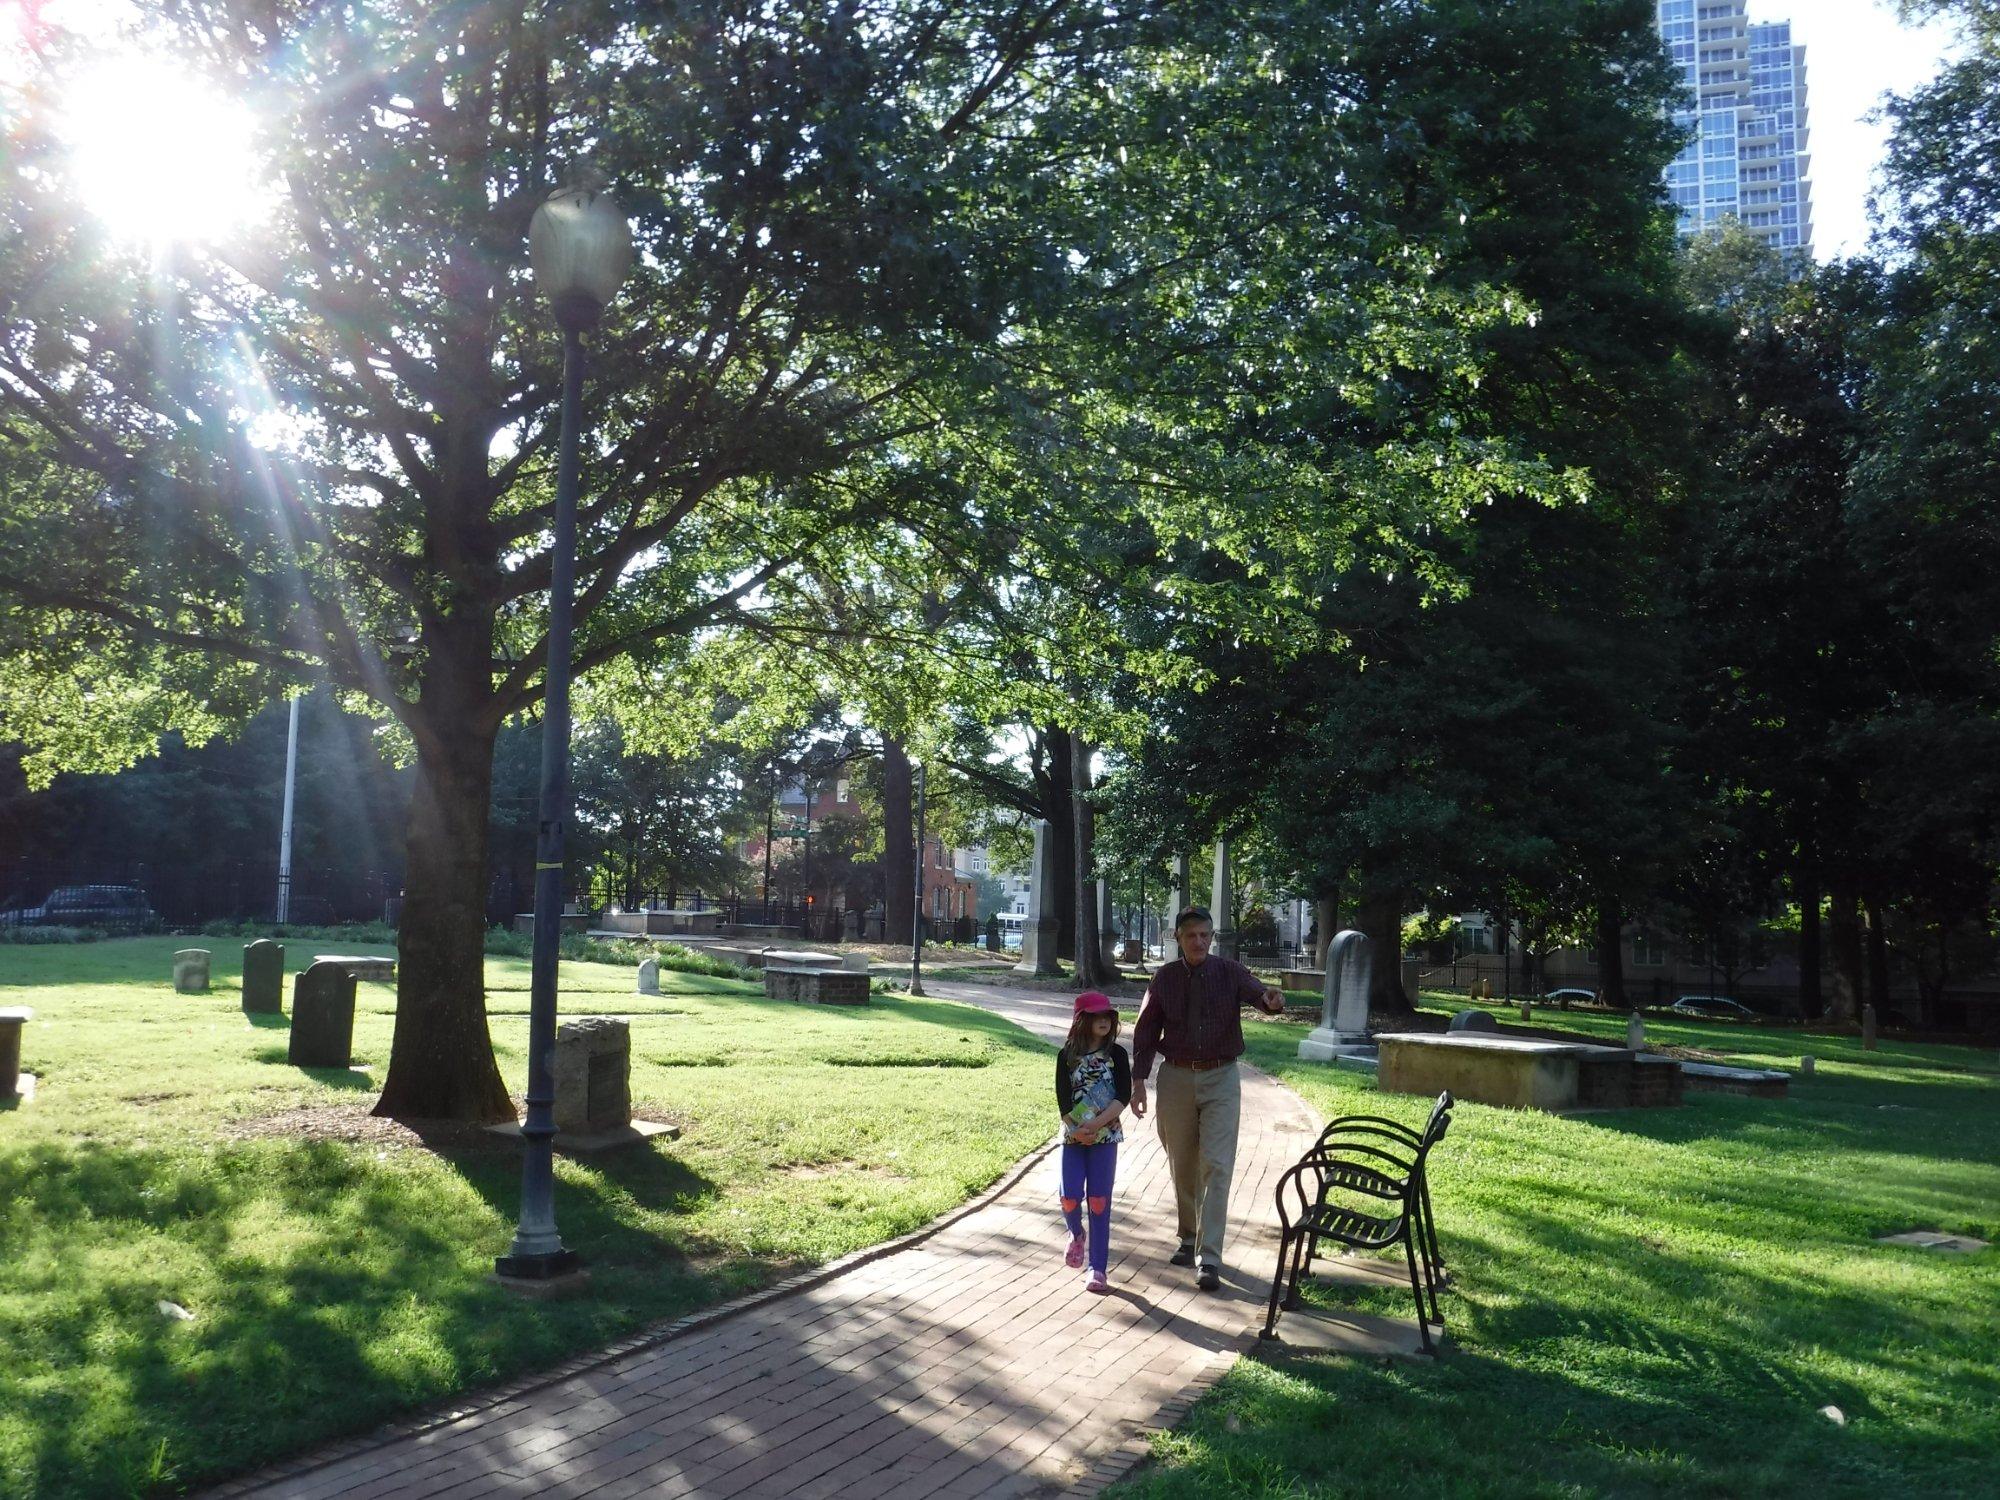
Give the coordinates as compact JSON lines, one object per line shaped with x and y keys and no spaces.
{"x":1093,"y":1086}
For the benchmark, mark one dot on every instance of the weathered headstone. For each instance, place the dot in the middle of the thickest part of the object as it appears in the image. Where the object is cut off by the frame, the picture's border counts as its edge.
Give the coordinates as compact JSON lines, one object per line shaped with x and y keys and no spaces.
{"x":1806,"y":1065}
{"x":323,"y":1017}
{"x":263,"y":978}
{"x":649,"y":976}
{"x":12,"y":1019}
{"x":1870,"y":1029}
{"x":1472,"y":1020}
{"x":1219,"y":902}
{"x":592,"y":1067}
{"x":1527,"y":1011}
{"x":1343,"y":1027}
{"x":191,"y":971}
{"x":1486,"y":989}
{"x":1038,"y":933}
{"x":993,"y":942}
{"x":1635,"y":1032}
{"x":851,"y":924}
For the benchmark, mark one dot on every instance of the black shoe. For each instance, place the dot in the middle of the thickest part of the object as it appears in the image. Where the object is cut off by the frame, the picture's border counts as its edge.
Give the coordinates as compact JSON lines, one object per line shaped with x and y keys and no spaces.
{"x":1208,"y":1278}
{"x":1182,"y":1257}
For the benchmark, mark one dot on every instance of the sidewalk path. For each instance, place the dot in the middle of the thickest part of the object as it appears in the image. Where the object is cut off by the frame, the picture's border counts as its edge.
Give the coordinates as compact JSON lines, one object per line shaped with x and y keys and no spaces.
{"x":970,"y":1363}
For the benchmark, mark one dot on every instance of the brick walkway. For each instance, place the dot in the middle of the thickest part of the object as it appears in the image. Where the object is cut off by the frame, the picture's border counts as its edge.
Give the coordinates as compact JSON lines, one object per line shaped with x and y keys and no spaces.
{"x":971,"y":1362}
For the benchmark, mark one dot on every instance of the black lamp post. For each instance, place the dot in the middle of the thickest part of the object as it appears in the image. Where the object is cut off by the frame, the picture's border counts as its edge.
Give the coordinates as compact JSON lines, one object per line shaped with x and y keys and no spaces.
{"x":580,"y":249}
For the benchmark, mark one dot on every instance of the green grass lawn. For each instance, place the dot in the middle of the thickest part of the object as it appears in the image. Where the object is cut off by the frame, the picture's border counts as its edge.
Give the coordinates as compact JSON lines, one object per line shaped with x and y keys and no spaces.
{"x":336,"y":1266}
{"x":1658,"y":1302}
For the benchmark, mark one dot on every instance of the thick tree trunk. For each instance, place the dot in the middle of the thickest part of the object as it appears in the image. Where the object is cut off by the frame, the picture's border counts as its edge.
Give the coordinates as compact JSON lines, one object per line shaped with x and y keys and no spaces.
{"x":1326,"y":914}
{"x":1878,"y":956}
{"x":1811,"y":1001}
{"x":1059,"y":807}
{"x":1380,"y":916}
{"x":1611,"y":953}
{"x":899,"y":844}
{"x":1090,"y":967}
{"x":441,"y":1063}
{"x":1843,"y":941}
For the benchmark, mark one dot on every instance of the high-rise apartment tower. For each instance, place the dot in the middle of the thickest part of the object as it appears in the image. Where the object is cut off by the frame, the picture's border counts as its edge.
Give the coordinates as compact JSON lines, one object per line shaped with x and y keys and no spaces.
{"x":1748,"y":157}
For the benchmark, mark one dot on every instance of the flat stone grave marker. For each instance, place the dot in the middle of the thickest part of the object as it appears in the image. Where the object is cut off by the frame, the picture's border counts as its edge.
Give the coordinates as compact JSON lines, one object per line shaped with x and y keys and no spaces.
{"x":14,"y":1084}
{"x":191,"y":971}
{"x":263,"y":978}
{"x":1930,"y":1239}
{"x":323,"y":1016}
{"x":649,"y":976}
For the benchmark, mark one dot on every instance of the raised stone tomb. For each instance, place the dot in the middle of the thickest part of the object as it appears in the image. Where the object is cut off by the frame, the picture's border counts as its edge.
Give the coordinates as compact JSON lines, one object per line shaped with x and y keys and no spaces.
{"x":817,"y":986}
{"x":1524,"y":1072}
{"x":656,"y":923}
{"x":361,"y":966}
{"x":323,"y":1016}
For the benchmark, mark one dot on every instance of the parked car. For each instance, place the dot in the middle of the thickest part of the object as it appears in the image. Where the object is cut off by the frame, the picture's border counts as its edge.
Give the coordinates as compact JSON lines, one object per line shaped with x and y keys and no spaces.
{"x":1568,"y":997}
{"x":1716,"y":1007}
{"x":118,"y":907}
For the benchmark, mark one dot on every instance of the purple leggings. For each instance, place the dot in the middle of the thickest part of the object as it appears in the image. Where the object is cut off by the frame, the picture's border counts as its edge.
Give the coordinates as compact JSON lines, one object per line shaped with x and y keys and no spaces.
{"x":1087,"y":1172}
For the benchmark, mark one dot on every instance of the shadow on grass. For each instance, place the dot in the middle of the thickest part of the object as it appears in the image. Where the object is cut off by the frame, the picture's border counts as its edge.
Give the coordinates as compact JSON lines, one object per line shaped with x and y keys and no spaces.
{"x":328,"y":1293}
{"x":269,"y":1021}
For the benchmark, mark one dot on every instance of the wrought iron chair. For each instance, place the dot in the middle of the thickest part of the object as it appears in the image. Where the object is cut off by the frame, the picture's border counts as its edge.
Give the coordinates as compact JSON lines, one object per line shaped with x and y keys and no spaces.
{"x":1362,"y":1186}
{"x":1396,"y":1138}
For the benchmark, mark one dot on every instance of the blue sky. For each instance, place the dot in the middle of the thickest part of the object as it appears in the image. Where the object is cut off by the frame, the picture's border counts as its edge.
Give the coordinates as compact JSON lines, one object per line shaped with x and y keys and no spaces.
{"x":1856,"y":50}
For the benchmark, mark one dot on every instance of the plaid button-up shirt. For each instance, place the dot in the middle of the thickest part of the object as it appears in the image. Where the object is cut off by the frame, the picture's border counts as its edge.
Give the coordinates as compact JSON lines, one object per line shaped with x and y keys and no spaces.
{"x":1193,"y":1014}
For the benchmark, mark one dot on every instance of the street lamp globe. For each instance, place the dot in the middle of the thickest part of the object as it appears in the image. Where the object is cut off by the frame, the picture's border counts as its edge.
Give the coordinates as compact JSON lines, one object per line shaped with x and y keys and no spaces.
{"x":581,"y":249}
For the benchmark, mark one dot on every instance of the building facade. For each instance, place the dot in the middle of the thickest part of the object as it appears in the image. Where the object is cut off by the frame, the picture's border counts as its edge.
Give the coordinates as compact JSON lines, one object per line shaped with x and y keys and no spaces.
{"x":1747,"y":157}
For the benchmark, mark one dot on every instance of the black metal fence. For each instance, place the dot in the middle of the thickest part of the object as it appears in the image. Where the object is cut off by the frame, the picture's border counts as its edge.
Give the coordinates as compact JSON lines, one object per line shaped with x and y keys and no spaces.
{"x":184,"y":896}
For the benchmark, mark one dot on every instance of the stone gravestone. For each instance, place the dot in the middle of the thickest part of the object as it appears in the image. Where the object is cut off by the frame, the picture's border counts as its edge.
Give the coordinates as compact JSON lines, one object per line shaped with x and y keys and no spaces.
{"x":1635,"y":1032}
{"x":1870,"y":1029}
{"x":1343,"y":1027}
{"x":850,"y":924}
{"x":263,"y":978}
{"x":12,"y":1020}
{"x":993,"y":942}
{"x":593,"y":1075}
{"x":1107,"y":939}
{"x":1472,"y":1020}
{"x":323,"y":1017}
{"x":1038,"y":933}
{"x":1806,"y":1066}
{"x":191,"y":971}
{"x":649,"y":976}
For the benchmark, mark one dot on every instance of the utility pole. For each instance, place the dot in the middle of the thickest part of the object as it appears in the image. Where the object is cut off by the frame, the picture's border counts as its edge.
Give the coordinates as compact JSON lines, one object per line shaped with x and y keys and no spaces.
{"x":917,"y":907}
{"x":285,"y":827}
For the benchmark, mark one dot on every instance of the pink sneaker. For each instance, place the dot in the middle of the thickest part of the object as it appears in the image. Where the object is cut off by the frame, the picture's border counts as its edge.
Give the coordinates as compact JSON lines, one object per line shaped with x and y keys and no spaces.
{"x":1097,"y":1283}
{"x":1073,"y":1257}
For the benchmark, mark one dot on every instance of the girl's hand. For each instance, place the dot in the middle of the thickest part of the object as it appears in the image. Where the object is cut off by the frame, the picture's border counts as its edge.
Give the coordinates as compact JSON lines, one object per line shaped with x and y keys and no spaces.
{"x":1086,"y":1135}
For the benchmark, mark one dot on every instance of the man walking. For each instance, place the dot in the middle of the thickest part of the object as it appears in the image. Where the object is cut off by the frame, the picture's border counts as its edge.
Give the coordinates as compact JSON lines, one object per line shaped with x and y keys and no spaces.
{"x":1192,"y":1019}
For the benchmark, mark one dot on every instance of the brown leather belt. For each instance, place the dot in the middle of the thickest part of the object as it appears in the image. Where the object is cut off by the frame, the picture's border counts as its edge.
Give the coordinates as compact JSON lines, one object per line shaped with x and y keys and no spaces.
{"x":1201,"y":1064}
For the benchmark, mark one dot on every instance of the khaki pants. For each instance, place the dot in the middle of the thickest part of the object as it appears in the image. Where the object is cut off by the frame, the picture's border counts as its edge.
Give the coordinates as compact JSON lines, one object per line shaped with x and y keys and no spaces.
{"x":1198,"y":1111}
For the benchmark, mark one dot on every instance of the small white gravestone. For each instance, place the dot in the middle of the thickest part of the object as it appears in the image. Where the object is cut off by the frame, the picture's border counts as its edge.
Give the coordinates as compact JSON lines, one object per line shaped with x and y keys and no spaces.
{"x":1342,"y":1034}
{"x":1806,"y":1065}
{"x":1635,"y":1032}
{"x":191,"y":971}
{"x":649,"y":976}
